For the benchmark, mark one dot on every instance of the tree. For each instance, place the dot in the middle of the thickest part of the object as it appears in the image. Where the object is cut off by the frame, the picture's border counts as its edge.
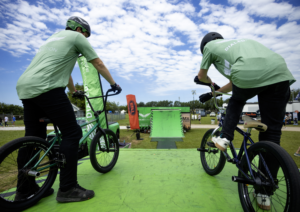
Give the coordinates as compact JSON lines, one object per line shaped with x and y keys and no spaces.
{"x":78,"y":102}
{"x":164,"y":103}
{"x":141,"y":104}
{"x":177,"y":104}
{"x":294,"y":93}
{"x":151,"y":104}
{"x":10,"y":108}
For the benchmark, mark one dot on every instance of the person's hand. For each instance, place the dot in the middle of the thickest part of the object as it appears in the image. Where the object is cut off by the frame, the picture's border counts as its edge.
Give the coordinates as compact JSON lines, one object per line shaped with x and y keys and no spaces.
{"x":216,"y":87}
{"x":115,"y":88}
{"x":197,"y":81}
{"x":205,"y":97}
{"x":78,"y":94}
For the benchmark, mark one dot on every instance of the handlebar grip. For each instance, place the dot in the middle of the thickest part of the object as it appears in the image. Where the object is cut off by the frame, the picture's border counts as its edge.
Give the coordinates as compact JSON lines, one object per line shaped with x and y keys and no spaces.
{"x":111,"y":90}
{"x":197,"y":81}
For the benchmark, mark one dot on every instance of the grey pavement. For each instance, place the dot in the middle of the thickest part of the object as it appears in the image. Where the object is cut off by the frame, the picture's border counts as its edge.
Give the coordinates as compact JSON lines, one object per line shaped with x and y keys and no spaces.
{"x":194,"y":126}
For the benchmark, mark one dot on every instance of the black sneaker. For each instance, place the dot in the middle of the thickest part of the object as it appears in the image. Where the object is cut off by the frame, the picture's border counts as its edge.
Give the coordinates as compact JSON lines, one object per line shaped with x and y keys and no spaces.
{"x":23,"y":196}
{"x":75,"y":194}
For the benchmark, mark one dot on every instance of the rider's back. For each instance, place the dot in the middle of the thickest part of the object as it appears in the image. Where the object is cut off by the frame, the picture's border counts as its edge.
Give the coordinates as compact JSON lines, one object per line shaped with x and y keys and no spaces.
{"x":53,"y":63}
{"x":247,"y":63}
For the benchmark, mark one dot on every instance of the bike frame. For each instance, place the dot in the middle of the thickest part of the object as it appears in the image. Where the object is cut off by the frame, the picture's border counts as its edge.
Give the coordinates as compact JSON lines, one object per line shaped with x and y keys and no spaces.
{"x":57,"y":138}
{"x":237,"y":157}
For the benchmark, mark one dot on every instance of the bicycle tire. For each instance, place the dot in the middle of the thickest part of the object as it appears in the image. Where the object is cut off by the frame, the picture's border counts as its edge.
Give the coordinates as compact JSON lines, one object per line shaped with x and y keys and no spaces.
{"x":213,"y":163}
{"x":101,"y":160}
{"x":9,"y":154}
{"x":288,"y":179}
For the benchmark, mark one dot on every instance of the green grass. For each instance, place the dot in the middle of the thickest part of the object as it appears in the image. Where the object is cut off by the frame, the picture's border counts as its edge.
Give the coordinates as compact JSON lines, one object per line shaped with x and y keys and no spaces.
{"x":20,"y":123}
{"x":192,"y":139}
{"x":9,"y":135}
{"x":124,"y":122}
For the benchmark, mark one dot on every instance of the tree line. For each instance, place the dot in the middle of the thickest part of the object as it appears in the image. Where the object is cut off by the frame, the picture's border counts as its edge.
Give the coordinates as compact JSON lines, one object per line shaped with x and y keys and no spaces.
{"x":195,"y":104}
{"x":113,"y":106}
{"x":10,"y":108}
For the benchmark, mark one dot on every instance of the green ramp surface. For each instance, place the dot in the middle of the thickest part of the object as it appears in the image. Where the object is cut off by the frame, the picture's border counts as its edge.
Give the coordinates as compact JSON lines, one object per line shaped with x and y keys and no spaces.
{"x":152,"y":180}
{"x":166,"y":124}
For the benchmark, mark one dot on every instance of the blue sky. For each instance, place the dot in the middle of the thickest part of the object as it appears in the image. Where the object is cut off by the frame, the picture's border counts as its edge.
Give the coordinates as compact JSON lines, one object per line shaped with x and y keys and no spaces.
{"x":151,"y":47}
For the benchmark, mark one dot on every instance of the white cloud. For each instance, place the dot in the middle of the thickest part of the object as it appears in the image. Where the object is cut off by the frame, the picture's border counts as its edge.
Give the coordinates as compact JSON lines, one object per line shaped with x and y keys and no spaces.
{"x":157,"y":41}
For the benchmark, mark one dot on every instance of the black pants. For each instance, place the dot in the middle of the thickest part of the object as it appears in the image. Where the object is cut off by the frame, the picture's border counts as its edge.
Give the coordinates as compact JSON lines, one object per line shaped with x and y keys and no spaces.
{"x":6,"y":124}
{"x":272,"y":100}
{"x":56,"y":106}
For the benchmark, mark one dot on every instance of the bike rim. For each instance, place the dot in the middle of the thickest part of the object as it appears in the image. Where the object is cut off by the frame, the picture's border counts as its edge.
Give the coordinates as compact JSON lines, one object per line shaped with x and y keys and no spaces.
{"x":278,"y":200}
{"x":211,"y":159}
{"x":9,"y":172}
{"x":105,"y":159}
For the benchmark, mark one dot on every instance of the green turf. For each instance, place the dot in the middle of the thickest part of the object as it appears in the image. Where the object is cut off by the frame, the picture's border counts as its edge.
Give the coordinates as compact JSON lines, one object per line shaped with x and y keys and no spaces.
{"x":152,"y":180}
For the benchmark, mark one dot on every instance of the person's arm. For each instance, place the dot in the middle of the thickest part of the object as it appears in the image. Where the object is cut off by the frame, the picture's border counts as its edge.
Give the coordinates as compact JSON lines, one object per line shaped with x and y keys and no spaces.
{"x":226,"y":88}
{"x":71,"y":86}
{"x":202,"y":76}
{"x":101,"y":68}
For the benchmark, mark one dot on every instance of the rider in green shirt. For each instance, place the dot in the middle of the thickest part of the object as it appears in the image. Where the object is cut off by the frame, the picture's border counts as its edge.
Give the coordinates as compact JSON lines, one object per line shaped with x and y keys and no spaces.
{"x":42,"y":91}
{"x":252,"y":69}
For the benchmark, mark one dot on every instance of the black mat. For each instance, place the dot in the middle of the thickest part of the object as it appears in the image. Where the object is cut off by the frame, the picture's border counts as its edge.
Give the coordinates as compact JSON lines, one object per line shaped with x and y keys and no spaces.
{"x":166,"y":139}
{"x":166,"y":143}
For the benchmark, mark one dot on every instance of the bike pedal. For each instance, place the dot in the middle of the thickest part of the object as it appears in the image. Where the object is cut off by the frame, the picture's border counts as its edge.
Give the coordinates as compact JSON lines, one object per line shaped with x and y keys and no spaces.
{"x":211,"y":144}
{"x":60,"y":160}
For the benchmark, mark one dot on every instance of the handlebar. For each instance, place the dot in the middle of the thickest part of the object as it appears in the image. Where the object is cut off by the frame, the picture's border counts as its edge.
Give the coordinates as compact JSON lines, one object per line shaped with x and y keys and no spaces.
{"x":215,"y":98}
{"x":96,"y":113}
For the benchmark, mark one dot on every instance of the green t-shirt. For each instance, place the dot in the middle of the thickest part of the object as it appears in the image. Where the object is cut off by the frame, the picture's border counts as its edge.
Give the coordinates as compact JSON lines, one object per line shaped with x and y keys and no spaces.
{"x":53,"y":64}
{"x":247,"y":63}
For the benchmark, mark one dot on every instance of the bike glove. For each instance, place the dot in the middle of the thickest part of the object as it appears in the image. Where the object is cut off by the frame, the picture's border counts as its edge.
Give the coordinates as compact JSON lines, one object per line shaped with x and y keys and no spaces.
{"x":78,"y":94}
{"x":205,"y":97}
{"x":197,"y":81}
{"x":116,"y":87}
{"x":216,"y":87}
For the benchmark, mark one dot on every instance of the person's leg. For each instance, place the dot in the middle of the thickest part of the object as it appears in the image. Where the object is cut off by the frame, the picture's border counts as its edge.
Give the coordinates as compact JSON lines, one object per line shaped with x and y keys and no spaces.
{"x":297,"y":152}
{"x":272,"y":104}
{"x":33,"y":127}
{"x":58,"y":108}
{"x":235,"y":108}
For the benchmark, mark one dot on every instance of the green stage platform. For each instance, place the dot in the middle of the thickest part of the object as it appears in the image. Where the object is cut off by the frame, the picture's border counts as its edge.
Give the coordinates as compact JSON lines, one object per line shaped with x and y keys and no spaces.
{"x":152,"y":180}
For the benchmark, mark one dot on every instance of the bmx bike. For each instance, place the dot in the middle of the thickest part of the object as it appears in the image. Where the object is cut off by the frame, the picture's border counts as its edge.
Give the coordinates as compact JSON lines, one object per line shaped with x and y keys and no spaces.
{"x":43,"y":160}
{"x":280,"y":183}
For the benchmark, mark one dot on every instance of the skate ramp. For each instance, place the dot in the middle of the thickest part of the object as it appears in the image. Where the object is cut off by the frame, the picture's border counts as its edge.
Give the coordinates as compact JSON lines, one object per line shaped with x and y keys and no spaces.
{"x":166,"y":124}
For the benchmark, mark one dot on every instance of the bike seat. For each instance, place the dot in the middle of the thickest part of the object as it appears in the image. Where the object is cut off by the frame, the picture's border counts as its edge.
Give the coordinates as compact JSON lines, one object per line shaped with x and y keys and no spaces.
{"x":250,"y":123}
{"x":45,"y":120}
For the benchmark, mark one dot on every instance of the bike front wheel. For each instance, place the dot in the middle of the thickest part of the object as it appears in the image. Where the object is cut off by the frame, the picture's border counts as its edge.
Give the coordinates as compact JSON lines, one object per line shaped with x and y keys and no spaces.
{"x":283,"y":195}
{"x":212,"y":159}
{"x":103,"y":159}
{"x":21,"y":186}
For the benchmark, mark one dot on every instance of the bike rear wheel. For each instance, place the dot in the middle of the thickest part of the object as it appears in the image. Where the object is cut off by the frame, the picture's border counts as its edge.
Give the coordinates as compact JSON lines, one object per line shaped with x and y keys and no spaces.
{"x":101,"y":160}
{"x":212,"y":159}
{"x":14,"y":176}
{"x":286,"y":197}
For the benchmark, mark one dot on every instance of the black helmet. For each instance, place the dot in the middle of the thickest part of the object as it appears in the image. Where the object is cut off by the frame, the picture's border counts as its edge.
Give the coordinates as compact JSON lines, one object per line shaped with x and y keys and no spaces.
{"x":74,"y":22}
{"x":209,"y":37}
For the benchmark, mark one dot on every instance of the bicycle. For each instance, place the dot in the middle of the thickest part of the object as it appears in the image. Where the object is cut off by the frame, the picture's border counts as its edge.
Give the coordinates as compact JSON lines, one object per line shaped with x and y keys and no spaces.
{"x":44,"y":159}
{"x":255,"y":178}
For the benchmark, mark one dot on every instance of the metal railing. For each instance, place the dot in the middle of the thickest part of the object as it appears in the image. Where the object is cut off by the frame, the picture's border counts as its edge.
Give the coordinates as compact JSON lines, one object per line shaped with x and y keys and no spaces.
{"x":111,"y":117}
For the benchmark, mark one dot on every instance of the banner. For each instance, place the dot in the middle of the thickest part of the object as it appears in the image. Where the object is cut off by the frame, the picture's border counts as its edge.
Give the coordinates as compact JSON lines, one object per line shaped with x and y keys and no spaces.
{"x":132,"y":112}
{"x":92,"y":87}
